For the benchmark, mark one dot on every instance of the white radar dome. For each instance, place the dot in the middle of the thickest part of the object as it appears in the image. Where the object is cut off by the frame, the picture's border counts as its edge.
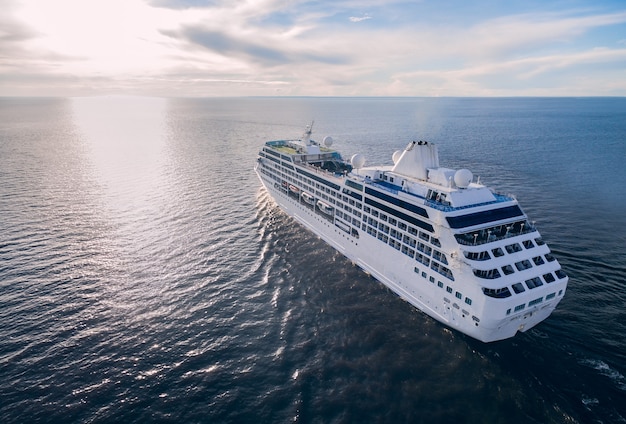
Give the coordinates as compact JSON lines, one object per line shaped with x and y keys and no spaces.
{"x":328,"y":141}
{"x":463,"y":178}
{"x":396,"y":156}
{"x":357,"y":161}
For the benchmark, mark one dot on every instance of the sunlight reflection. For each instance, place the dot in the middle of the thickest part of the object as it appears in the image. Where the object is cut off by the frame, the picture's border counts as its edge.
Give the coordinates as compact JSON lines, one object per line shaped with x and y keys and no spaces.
{"x":126,"y":154}
{"x":125,"y":140}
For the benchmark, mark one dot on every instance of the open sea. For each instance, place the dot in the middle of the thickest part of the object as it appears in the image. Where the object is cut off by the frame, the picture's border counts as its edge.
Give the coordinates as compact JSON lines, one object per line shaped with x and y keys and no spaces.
{"x":145,"y":275}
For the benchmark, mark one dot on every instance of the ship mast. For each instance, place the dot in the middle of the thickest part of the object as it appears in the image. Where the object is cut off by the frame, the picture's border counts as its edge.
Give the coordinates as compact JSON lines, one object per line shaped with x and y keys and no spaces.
{"x":306,"y":137}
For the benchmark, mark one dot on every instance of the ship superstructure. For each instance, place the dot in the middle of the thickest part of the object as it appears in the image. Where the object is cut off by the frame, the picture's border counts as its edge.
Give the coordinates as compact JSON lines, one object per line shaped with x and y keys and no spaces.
{"x":458,"y":251}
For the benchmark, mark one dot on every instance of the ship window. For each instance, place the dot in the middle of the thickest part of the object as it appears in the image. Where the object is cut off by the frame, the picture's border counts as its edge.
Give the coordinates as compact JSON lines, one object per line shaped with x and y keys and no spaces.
{"x":508,"y":311}
{"x":535,"y":301}
{"x":550,"y":296}
{"x":539,"y":242}
{"x":497,"y":252}
{"x":424,"y":236}
{"x":402,"y":226}
{"x":438,"y":256}
{"x":383,"y":217}
{"x":423,"y":248}
{"x":508,"y":269}
{"x":484,"y":217}
{"x":520,"y":307}
{"x":528,"y":244}
{"x":477,"y":256}
{"x":500,"y":293}
{"x":489,"y":274}
{"x":412,"y":231}
{"x":538,"y":260}
{"x":559,"y":273}
{"x":449,"y":289}
{"x":518,"y":288}
{"x":458,"y":295}
{"x":512,"y":248}
{"x":439,"y":283}
{"x":468,"y":300}
{"x":522,"y":265}
{"x":550,"y":258}
{"x":534,"y":282}
{"x":421,"y":258}
{"x":392,"y":221}
{"x":435,"y":242}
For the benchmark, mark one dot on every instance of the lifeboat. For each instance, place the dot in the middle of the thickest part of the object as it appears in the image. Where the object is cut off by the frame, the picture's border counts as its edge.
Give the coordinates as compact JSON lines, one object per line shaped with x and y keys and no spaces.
{"x":325,"y":207}
{"x":308,"y":198}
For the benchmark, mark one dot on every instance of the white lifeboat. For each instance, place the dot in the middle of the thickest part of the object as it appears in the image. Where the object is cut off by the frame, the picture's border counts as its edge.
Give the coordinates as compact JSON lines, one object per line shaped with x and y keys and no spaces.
{"x":308,"y":198}
{"x":325,"y":207}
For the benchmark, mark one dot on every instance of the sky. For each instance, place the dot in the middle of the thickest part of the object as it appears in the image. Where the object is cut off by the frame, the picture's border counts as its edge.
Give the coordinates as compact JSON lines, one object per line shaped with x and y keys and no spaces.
{"x":206,"y":48}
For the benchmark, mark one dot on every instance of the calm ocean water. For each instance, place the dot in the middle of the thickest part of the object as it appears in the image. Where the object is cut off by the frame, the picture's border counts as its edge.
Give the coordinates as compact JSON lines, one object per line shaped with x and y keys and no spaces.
{"x":146,"y":277}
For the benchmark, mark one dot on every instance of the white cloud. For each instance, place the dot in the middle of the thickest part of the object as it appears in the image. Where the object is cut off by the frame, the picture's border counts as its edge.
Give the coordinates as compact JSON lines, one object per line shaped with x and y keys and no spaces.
{"x":359,"y":18}
{"x":188,"y":47}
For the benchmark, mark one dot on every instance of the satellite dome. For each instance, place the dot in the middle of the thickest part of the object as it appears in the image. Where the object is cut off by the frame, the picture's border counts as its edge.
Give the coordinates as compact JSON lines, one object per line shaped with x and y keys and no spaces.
{"x":396,"y":156}
{"x":328,"y":141}
{"x":463,"y":178}
{"x":357,"y":161}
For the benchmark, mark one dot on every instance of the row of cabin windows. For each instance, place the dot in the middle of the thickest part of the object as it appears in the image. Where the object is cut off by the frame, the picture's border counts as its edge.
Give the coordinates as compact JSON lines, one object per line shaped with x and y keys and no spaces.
{"x":499,"y":232}
{"x":491,"y":274}
{"x":401,"y":225}
{"x":533,"y":302}
{"x":407,"y":244}
{"x":440,"y":284}
{"x":351,"y":206}
{"x":320,"y":190}
{"x":348,"y":218}
{"x":531,"y":283}
{"x":497,"y":252}
{"x":379,"y":229}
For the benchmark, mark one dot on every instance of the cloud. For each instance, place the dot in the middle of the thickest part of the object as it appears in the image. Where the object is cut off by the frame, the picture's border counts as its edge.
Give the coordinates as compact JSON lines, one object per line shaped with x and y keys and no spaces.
{"x":251,"y":47}
{"x":528,"y":32}
{"x":359,"y":19}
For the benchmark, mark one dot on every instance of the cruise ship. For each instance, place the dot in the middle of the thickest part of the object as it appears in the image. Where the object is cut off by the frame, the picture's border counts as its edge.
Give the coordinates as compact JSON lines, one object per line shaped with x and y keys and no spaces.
{"x":460,"y":252}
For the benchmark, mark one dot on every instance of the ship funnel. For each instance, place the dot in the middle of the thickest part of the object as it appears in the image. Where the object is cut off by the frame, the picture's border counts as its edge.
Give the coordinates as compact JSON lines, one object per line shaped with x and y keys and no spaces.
{"x":416,"y":158}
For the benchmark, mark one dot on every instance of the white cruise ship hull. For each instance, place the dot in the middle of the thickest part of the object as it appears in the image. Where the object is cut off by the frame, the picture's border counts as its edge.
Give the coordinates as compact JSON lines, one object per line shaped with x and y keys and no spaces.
{"x":465,"y":256}
{"x":396,"y":271}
